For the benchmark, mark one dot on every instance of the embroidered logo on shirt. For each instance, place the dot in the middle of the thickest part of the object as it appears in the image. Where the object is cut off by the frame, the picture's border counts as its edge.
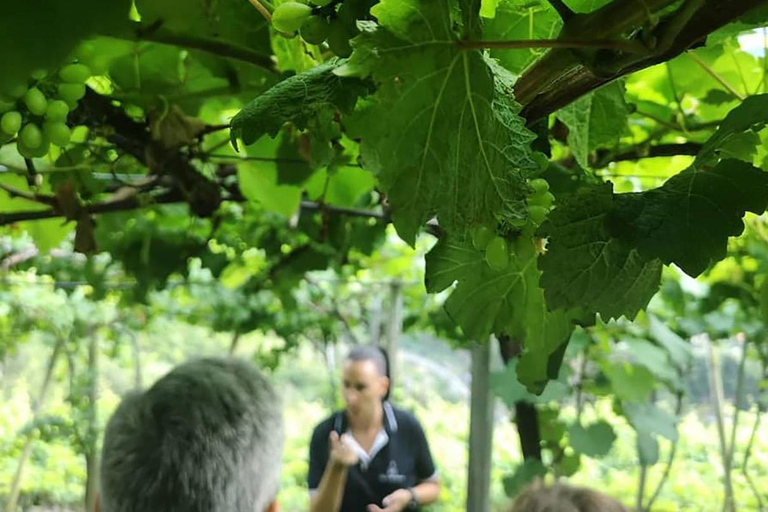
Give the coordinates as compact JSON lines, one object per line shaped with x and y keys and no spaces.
{"x":392,"y":476}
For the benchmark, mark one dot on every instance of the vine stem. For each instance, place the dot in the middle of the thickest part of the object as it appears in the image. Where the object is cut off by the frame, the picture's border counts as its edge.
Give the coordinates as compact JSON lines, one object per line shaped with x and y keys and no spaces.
{"x":516,"y":44}
{"x":139,"y":32}
{"x":641,"y":487}
{"x":716,"y":396}
{"x":262,"y":10}
{"x":747,"y":453}
{"x":670,"y":460}
{"x":739,"y":389}
{"x":563,"y":10}
{"x":15,"y":489}
{"x":714,"y":74}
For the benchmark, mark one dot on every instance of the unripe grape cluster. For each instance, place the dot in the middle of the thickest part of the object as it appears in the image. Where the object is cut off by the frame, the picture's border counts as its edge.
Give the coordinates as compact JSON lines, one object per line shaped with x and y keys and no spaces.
{"x":322,"y":21}
{"x":36,"y":113}
{"x":496,"y":248}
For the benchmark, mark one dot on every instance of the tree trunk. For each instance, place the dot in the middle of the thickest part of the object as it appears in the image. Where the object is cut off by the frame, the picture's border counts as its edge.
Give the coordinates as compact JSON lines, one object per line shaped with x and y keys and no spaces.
{"x":394,"y":326}
{"x":138,"y":381}
{"x":92,"y":436}
{"x":526,"y":415}
{"x":13,"y":495}
{"x":235,"y":342}
{"x":716,"y":396}
{"x":480,"y":431}
{"x":560,"y":77}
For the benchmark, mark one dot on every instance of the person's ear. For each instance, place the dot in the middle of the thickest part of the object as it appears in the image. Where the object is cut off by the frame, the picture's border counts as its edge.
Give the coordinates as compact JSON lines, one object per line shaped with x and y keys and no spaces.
{"x":384,"y":383}
{"x":273,"y":507}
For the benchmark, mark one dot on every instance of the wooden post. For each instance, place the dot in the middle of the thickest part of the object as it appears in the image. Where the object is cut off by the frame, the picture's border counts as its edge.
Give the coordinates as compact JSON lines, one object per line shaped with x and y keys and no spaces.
{"x":92,"y":452}
{"x":395,"y":325}
{"x":480,"y":431}
{"x":375,"y":321}
{"x":13,"y":495}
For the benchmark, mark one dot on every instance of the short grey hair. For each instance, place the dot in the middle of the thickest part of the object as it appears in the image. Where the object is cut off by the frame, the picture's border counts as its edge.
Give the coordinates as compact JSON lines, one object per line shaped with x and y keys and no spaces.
{"x":207,"y":437}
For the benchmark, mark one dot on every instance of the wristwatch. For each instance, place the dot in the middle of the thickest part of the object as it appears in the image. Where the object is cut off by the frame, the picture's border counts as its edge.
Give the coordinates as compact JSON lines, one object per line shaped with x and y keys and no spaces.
{"x":413,"y":504}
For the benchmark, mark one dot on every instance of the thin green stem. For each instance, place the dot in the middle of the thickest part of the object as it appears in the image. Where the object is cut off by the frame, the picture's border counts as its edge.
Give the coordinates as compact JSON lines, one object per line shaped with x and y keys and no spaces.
{"x":716,"y":396}
{"x":263,"y":10}
{"x":741,"y":73}
{"x":747,"y":452}
{"x":672,"y":452}
{"x":765,"y":60}
{"x":139,"y":32}
{"x":739,"y":388}
{"x":714,"y":74}
{"x":662,"y":122}
{"x":517,"y":44}
{"x":678,"y":98}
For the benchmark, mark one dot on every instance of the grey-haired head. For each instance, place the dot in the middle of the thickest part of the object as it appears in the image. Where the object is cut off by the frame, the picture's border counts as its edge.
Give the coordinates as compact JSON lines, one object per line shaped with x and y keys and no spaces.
{"x":207,"y":437}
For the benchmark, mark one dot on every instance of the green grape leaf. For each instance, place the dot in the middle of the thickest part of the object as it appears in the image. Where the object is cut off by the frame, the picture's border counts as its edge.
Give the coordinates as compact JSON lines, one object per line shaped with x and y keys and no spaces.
{"x":47,"y":233}
{"x":507,"y":301}
{"x":488,"y":8}
{"x":678,"y":349}
{"x":585,"y":266}
{"x":259,"y":180}
{"x":297,"y":99}
{"x":524,"y":474}
{"x":340,"y":186}
{"x":595,"y":120}
{"x":595,"y":440}
{"x":654,"y":358}
{"x":231,"y":20}
{"x":718,"y":97}
{"x":61,"y":26}
{"x":569,"y":464}
{"x":687,"y":221}
{"x":585,"y":6}
{"x":648,"y":418}
{"x":752,"y":113}
{"x":515,"y":21}
{"x":647,"y":449}
{"x":155,"y":69}
{"x":629,"y":382}
{"x":442,"y":131}
{"x":506,"y":385}
{"x":742,"y":146}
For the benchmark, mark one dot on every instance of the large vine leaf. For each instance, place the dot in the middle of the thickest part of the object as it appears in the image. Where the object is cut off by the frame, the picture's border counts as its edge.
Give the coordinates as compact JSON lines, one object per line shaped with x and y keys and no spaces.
{"x":595,"y":120}
{"x":687,"y":221}
{"x":595,"y":440}
{"x":589,"y":267}
{"x":648,"y":418}
{"x":296,"y":99}
{"x":751,"y":113}
{"x":57,"y":27}
{"x":507,"y":301}
{"x":259,"y":178}
{"x":232,"y":20}
{"x":512,"y":20}
{"x":442,"y":131}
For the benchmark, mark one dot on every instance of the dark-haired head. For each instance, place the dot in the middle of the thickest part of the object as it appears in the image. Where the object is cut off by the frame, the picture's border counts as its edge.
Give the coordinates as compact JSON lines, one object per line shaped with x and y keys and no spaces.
{"x":376,"y":355}
{"x":365,"y":380}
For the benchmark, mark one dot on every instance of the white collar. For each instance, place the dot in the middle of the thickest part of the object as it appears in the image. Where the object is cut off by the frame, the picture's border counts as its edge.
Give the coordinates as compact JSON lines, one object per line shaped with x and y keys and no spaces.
{"x":366,"y":457}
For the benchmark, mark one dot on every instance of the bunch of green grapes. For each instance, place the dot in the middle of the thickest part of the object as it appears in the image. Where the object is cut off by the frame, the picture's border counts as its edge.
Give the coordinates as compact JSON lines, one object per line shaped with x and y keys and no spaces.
{"x":497,"y":250}
{"x":36,"y":112}
{"x":539,"y":203}
{"x":333,"y":22}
